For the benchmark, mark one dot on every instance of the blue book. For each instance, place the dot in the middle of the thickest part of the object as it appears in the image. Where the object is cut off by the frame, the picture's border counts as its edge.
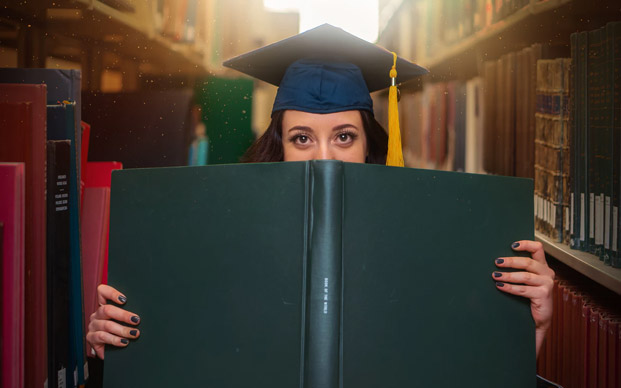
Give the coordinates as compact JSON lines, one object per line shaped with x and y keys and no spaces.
{"x":62,"y":126}
{"x":62,"y":85}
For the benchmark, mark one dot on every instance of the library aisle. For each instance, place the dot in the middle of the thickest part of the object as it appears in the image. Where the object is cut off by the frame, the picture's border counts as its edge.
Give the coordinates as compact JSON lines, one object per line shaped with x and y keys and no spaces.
{"x":518,"y":88}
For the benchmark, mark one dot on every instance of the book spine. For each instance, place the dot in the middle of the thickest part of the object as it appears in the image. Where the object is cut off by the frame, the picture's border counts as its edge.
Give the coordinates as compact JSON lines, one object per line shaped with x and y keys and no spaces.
{"x":608,"y":142}
{"x":616,"y":153}
{"x":585,"y":221}
{"x":323,"y":276}
{"x":575,"y":144}
{"x":58,"y":153}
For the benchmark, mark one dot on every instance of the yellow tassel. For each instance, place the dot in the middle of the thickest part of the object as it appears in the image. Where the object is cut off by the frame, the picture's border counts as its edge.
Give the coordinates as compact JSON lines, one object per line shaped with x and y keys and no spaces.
{"x":395,"y":152}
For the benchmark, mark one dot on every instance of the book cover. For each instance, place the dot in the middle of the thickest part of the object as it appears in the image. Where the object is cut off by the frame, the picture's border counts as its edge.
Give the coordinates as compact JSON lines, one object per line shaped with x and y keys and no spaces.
{"x":22,"y":130}
{"x":313,"y":274}
{"x":58,"y":261}
{"x":12,"y":216}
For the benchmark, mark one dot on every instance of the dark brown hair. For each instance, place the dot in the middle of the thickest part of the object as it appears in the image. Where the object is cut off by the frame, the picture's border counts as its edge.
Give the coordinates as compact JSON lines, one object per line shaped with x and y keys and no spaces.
{"x":269,"y":148}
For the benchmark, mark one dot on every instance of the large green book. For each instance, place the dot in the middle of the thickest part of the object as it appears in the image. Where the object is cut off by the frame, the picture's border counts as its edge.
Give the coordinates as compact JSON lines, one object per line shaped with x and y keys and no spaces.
{"x":318,"y":274}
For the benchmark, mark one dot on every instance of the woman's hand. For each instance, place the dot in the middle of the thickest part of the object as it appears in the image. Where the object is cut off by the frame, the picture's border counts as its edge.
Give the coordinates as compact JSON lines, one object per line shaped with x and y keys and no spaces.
{"x":103,"y":330}
{"x":535,"y":281}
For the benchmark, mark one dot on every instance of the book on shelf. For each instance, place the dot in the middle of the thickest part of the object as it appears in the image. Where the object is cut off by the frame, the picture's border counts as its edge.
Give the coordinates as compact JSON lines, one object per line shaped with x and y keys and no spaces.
{"x":581,"y":348}
{"x":12,"y":217}
{"x":62,"y":125}
{"x":99,"y":176}
{"x":58,"y":261}
{"x":293,"y":276}
{"x":596,"y":128}
{"x":22,"y":129}
{"x":552,"y":152}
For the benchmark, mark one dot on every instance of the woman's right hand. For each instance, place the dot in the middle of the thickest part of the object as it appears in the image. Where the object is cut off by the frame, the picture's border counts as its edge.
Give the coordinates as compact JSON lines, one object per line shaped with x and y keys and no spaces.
{"x":103,"y":329}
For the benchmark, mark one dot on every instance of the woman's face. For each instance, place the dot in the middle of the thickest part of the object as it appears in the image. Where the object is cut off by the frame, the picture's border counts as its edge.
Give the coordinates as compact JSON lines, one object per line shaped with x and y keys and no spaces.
{"x":338,"y":136}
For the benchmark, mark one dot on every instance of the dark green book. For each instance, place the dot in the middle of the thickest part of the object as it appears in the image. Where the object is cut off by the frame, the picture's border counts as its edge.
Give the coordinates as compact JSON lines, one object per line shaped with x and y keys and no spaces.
{"x":614,"y":30}
{"x":585,"y":208}
{"x":596,"y":95}
{"x":318,"y":274}
{"x":576,"y":144}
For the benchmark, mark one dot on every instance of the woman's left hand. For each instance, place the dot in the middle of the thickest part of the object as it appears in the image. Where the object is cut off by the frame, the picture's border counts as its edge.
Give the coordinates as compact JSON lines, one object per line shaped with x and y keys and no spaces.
{"x":535,"y":281}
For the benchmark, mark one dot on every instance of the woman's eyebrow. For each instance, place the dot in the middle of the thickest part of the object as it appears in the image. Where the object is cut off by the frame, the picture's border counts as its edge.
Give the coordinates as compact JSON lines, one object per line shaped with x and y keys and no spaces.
{"x":343,"y":126}
{"x":300,"y":128}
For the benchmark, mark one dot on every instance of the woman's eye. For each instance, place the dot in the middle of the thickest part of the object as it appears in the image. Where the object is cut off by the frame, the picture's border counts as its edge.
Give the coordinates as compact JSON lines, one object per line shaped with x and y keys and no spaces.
{"x":346,"y":137}
{"x":302,"y":139}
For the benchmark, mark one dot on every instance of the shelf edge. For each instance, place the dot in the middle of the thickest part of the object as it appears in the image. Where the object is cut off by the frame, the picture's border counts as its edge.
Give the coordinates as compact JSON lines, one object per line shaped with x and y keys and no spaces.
{"x":585,"y":263}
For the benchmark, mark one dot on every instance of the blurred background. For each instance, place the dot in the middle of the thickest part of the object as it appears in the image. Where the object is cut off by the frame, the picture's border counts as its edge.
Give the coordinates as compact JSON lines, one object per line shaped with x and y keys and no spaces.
{"x":524,"y":88}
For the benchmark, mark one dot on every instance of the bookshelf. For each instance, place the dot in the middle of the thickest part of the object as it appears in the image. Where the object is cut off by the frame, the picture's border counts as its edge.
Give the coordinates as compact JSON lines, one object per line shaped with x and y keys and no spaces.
{"x":549,"y":21}
{"x":102,"y":34}
{"x":583,"y":262}
{"x":463,"y":58}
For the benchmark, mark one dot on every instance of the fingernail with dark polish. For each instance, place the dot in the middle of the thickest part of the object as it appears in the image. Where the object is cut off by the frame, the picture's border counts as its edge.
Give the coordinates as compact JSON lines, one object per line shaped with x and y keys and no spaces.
{"x":133,"y":332}
{"x":122,"y":299}
{"x":124,"y":341}
{"x":497,"y":274}
{"x":515,"y":245}
{"x":135,"y":319}
{"x":499,"y":284}
{"x":500,"y":261}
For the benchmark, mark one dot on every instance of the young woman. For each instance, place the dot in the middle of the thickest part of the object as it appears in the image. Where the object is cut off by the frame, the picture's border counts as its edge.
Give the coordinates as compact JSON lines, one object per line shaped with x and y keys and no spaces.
{"x":323,"y":111}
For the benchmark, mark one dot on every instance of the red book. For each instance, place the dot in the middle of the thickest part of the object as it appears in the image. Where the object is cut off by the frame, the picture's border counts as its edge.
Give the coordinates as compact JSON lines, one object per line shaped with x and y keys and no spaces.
{"x":584,"y":342}
{"x":99,"y":174}
{"x":568,"y":345}
{"x":602,"y":350}
{"x":23,"y":134}
{"x":613,"y":353}
{"x":592,"y":342}
{"x":94,"y":228}
{"x":12,"y":212}
{"x":576,"y":314}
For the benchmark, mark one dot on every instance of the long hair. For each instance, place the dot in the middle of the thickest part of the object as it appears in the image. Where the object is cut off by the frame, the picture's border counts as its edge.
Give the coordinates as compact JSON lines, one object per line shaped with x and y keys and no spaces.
{"x":269,"y":148}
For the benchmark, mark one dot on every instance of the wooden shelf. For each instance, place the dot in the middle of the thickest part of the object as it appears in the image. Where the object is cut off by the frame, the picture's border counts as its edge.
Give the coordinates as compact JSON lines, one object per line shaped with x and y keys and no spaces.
{"x":550,"y":22}
{"x":493,"y":32}
{"x":585,"y":263}
{"x":94,"y":24}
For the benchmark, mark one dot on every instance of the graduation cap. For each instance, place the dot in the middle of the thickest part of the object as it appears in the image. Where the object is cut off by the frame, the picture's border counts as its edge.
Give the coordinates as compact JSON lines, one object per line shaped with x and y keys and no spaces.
{"x":326,"y":70}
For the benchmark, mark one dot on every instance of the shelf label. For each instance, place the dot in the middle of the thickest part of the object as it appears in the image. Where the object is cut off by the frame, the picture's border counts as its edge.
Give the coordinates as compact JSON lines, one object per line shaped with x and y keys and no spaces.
{"x":582,"y":217}
{"x":591,"y":215}
{"x":599,"y":221}
{"x":571,"y":215}
{"x":615,"y":212}
{"x":607,"y":224}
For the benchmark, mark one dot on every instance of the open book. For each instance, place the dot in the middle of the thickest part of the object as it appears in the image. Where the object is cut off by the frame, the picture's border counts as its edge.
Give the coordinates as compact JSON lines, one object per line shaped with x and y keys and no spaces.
{"x":318,"y":274}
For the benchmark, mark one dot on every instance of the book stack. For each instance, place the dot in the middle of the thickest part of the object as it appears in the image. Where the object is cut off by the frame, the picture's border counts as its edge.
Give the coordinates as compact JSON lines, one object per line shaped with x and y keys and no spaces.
{"x":552,"y":152}
{"x":582,"y":347}
{"x":50,"y":229}
{"x":596,"y":141}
